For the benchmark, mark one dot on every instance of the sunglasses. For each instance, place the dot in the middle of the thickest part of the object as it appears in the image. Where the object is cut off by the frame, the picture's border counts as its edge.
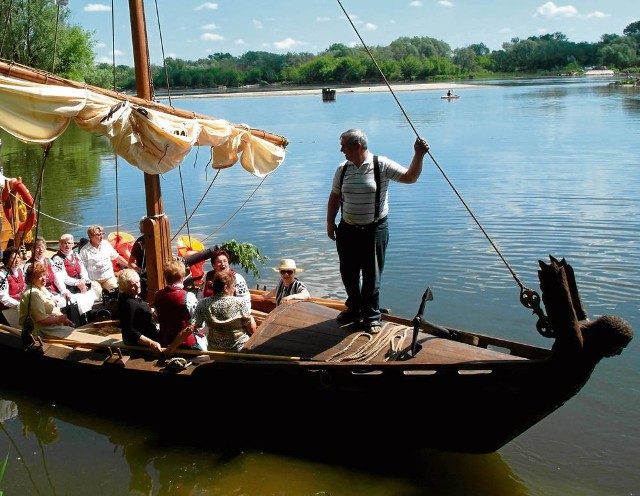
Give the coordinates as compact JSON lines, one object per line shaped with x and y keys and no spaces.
{"x":288,"y":272}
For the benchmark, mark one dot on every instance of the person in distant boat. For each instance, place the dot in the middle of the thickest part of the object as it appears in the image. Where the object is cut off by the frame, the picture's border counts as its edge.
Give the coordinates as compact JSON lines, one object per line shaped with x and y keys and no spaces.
{"x":220,"y":261}
{"x":97,"y":256}
{"x":228,"y":317}
{"x":137,"y":322}
{"x":360,"y":192}
{"x":72,"y":274}
{"x":12,"y":285}
{"x":290,"y":289}
{"x":449,"y":93}
{"x":41,"y":306}
{"x":175,"y":307}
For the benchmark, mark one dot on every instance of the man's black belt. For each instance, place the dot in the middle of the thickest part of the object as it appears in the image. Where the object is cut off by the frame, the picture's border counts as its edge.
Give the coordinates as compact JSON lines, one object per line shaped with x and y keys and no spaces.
{"x":363,"y":227}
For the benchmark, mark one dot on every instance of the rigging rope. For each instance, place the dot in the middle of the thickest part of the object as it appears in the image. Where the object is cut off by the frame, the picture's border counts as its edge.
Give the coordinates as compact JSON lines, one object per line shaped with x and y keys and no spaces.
{"x":113,"y":44}
{"x":186,"y":222}
{"x":164,"y":60}
{"x":392,"y":336}
{"x":55,"y":37}
{"x":525,"y":293}
{"x":28,"y":324}
{"x":238,"y":209}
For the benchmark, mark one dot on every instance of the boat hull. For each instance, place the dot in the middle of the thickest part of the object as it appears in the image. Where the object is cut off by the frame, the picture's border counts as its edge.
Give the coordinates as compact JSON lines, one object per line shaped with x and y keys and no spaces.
{"x":473,"y":406}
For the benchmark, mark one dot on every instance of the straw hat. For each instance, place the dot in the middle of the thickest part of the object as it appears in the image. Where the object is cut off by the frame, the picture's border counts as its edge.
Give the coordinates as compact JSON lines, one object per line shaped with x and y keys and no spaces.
{"x":287,"y":264}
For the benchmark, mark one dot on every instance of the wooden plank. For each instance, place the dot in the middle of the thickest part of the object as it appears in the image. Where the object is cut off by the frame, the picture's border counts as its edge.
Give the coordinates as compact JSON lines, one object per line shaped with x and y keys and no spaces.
{"x":81,"y":337}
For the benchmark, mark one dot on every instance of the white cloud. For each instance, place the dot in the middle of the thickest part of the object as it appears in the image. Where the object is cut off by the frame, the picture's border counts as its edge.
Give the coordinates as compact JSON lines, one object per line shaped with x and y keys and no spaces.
{"x":287,"y":44}
{"x":550,"y":9}
{"x":370,"y":26}
{"x":211,"y":37}
{"x":506,"y":30}
{"x":415,"y":3}
{"x":209,"y":27}
{"x":445,"y":3}
{"x":257,"y":24}
{"x":597,"y":14}
{"x":323,"y":19}
{"x":97,"y":7}
{"x":239,"y":42}
{"x":207,"y":6}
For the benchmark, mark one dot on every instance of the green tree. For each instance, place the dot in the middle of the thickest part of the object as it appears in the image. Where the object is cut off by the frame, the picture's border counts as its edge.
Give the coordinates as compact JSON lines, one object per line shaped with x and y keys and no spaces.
{"x":632,"y":29}
{"x":620,"y":55}
{"x":348,"y":70}
{"x":465,"y":58}
{"x":480,"y":49}
{"x":37,"y":34}
{"x":409,"y":67}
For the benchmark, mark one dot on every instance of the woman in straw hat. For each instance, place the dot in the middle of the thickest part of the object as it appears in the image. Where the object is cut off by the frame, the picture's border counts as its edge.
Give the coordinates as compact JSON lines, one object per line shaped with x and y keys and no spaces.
{"x":290,"y":288}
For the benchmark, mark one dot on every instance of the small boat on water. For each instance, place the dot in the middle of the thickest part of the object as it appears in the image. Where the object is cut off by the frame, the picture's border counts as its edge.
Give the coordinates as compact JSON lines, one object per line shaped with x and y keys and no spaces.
{"x":433,"y":385}
{"x":450,"y":97}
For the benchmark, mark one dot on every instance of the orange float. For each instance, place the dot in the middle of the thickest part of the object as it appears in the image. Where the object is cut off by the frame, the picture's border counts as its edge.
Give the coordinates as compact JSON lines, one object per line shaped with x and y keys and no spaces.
{"x":188,"y":246}
{"x":15,"y":188}
{"x":122,"y":242}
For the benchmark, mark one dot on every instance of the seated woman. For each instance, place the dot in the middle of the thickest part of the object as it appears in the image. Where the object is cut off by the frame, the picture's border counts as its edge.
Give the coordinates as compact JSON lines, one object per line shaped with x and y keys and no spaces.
{"x":175,"y":307}
{"x":12,"y":285}
{"x":220,"y":261}
{"x":38,"y":304}
{"x":136,"y":317}
{"x":71,"y":275}
{"x":55,"y":285}
{"x":228,"y":317}
{"x":290,"y":288}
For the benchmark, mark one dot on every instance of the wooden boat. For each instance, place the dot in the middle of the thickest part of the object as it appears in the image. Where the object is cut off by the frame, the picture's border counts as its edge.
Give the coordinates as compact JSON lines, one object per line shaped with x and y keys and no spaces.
{"x":431,"y":385}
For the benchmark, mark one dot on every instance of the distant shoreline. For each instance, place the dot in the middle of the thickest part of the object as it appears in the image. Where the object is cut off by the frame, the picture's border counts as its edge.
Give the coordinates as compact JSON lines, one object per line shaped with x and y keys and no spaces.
{"x":259,"y":92}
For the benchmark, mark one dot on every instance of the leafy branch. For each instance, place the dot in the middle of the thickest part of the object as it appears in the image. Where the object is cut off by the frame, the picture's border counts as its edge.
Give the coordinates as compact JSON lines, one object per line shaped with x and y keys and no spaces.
{"x":245,"y":255}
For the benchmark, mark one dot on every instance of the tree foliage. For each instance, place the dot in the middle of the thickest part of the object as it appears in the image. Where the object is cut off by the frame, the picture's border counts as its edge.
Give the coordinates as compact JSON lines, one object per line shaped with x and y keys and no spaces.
{"x":37,"y":33}
{"x":245,"y":255}
{"x":35,"y":30}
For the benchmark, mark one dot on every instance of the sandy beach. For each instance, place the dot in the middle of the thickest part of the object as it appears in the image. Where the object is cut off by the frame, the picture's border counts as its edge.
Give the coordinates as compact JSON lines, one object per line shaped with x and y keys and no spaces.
{"x":283,"y":91}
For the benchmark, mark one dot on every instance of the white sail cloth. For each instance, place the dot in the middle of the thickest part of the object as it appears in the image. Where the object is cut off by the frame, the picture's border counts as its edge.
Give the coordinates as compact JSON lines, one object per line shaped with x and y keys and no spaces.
{"x":153,"y":141}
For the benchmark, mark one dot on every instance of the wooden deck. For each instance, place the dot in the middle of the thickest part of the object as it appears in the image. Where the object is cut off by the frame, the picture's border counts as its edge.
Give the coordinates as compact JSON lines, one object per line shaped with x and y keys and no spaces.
{"x":310,"y":330}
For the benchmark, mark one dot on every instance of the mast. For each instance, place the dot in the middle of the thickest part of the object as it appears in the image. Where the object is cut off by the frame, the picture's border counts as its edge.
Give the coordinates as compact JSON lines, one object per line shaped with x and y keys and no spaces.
{"x":156,"y":229}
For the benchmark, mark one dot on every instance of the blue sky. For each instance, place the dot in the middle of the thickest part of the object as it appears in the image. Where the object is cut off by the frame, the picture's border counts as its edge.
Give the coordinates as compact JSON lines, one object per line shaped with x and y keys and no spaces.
{"x":194,"y":29}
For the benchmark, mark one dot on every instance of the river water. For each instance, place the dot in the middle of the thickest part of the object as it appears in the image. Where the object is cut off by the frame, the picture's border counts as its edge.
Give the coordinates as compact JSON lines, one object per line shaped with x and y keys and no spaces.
{"x":520,"y":170}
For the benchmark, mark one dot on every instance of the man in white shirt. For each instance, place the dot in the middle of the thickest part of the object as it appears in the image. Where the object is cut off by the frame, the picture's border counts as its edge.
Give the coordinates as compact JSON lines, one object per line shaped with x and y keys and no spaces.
{"x":359,"y":191}
{"x":97,"y":256}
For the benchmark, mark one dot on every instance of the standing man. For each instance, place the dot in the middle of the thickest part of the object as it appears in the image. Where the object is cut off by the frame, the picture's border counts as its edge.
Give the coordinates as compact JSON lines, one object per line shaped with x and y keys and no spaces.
{"x":359,"y":190}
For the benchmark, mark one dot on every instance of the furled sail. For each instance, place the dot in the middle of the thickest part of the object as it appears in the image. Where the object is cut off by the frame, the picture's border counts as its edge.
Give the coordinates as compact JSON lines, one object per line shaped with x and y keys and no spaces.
{"x":147,"y":137}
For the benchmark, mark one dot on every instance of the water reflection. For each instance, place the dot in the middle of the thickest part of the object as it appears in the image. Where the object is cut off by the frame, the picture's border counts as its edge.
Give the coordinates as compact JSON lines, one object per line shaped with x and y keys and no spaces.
{"x":49,"y":447}
{"x":73,"y":175}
